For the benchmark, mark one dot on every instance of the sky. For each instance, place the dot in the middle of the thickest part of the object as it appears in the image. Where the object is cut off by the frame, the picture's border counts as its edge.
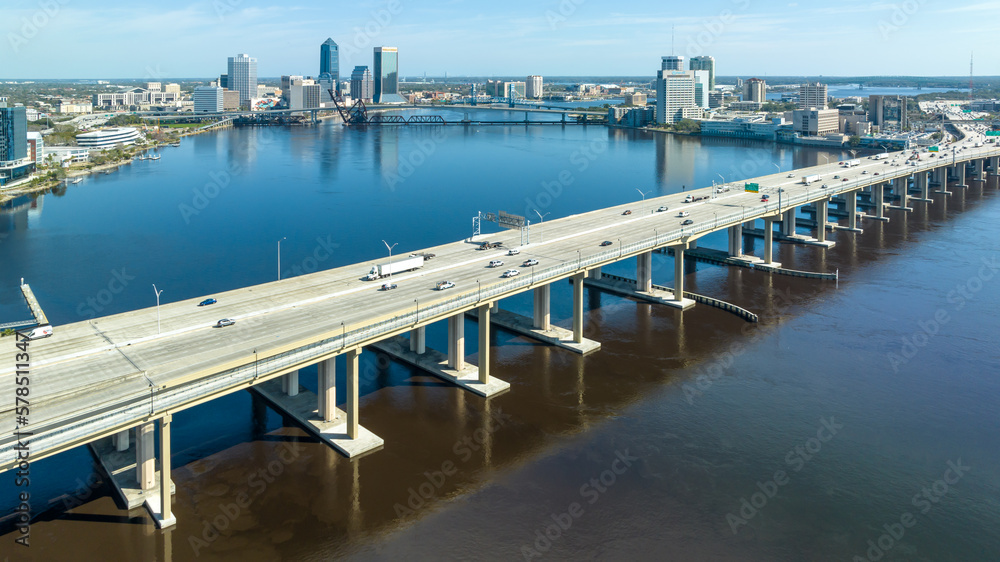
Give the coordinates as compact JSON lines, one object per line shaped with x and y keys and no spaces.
{"x":182,"y":39}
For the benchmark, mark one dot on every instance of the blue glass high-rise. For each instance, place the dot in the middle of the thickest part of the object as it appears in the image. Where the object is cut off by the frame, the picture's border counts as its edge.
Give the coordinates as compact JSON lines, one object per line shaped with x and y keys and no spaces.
{"x":329,"y":60}
{"x":386,"y":76}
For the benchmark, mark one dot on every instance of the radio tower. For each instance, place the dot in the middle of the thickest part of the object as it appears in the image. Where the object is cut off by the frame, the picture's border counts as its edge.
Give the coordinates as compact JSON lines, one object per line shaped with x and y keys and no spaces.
{"x":970,"y":76}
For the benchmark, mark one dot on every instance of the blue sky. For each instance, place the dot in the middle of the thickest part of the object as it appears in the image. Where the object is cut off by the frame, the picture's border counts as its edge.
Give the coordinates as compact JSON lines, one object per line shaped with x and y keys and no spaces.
{"x":155,"y":40}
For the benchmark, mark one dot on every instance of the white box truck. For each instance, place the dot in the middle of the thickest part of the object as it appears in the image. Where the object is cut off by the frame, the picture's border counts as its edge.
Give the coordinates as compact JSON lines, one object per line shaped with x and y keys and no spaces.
{"x":385,"y":269}
{"x":806,"y":180}
{"x":852,"y":163}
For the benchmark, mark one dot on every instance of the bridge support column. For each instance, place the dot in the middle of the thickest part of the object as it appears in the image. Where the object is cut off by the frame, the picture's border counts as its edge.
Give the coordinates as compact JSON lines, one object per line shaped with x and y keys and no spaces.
{"x":166,"y":517}
{"x":352,"y":405}
{"x":821,"y":218}
{"x":290,"y":383}
{"x":788,"y":222}
{"x":542,"y":319}
{"x":679,"y":301}
{"x":852,"y":210}
{"x":326,"y":389}
{"x":769,"y":244}
{"x":596,"y":273}
{"x":960,"y":175}
{"x":418,"y":340}
{"x":484,"y":343}
{"x":578,"y":307}
{"x":979,"y":169}
{"x":878,"y":198}
{"x":644,"y":272}
{"x":145,"y":456}
{"x":456,"y":342}
{"x":736,"y":241}
{"x":121,"y":440}
{"x":995,"y":165}
{"x":921,"y":183}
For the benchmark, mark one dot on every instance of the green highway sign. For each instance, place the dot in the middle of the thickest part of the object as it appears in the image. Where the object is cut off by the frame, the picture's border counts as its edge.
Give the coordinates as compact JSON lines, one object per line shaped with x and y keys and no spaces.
{"x":752,"y":187}
{"x":993,"y":133}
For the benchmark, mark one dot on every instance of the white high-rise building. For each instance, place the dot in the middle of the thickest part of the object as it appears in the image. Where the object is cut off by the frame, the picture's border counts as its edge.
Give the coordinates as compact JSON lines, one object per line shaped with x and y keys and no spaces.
{"x":672,"y":62}
{"x":675,"y":96}
{"x":534,"y":89}
{"x":208,"y":99}
{"x":702,"y":79}
{"x":242,"y":77}
{"x":812,"y":95}
{"x":705,"y":62}
{"x":755,"y":89}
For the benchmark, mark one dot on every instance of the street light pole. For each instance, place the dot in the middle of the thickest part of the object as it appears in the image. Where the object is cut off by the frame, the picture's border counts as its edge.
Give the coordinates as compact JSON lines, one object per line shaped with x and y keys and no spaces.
{"x":390,"y":257}
{"x":643,"y":194}
{"x":776,"y":166}
{"x":279,"y":257}
{"x":541,"y":219}
{"x":157,"y":307}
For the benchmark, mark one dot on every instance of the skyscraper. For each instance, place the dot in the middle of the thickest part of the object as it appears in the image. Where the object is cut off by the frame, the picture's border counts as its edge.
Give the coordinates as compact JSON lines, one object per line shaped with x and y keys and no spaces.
{"x":675,"y":91}
{"x":672,"y":62}
{"x":14,"y":161}
{"x":242,"y":77}
{"x":534,"y":87}
{"x":705,"y":62}
{"x":329,"y":59}
{"x":361,"y":84}
{"x":755,"y":89}
{"x":812,"y":95}
{"x":386,"y":76}
{"x":701,"y":89}
{"x":888,"y":112}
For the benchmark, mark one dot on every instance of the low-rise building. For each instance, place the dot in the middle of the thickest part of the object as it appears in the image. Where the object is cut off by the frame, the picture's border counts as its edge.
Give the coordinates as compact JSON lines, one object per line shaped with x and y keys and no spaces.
{"x":744,"y":128}
{"x":815,"y":122}
{"x":108,"y":138}
{"x":230,"y":100}
{"x":135,"y":96}
{"x":36,"y":146}
{"x":635,"y":99}
{"x":208,"y":99}
{"x":76,"y":108}
{"x":634,"y":117}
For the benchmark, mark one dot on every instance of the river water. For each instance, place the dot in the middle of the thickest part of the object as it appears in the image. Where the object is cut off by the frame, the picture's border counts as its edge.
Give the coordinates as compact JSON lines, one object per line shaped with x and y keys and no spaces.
{"x":688,"y":436}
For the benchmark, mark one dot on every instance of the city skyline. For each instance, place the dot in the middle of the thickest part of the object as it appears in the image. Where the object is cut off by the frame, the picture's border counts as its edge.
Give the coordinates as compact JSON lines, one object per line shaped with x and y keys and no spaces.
{"x":569,"y":38}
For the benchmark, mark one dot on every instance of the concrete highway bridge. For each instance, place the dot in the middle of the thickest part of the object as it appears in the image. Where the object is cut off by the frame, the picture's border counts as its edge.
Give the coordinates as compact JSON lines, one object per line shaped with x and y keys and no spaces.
{"x":114,"y":382}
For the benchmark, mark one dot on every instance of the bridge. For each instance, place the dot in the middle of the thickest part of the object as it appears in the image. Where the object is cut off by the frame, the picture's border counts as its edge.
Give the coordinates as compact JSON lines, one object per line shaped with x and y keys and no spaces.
{"x":114,"y":382}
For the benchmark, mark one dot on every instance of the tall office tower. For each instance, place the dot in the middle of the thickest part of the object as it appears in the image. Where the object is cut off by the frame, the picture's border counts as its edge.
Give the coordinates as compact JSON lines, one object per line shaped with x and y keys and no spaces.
{"x":243,"y":77}
{"x":224,"y":81}
{"x":386,"y":76}
{"x":755,"y":89}
{"x":812,"y":95}
{"x":361,"y":84}
{"x":13,"y":133}
{"x":701,"y":89}
{"x":888,"y":112}
{"x":534,"y":87}
{"x":329,"y":60}
{"x":705,"y":62}
{"x":674,"y":94}
{"x":672,"y":62}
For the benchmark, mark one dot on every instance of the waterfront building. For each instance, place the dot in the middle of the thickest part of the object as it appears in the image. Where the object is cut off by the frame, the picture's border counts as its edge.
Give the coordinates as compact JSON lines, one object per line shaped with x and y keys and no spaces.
{"x":209,"y":99}
{"x":815,"y":122}
{"x":15,"y":161}
{"x":361,"y":84}
{"x":386,"y":76}
{"x":36,"y":147}
{"x":744,"y":128}
{"x":888,"y":112}
{"x":329,"y":60}
{"x":707,"y":63}
{"x":631,"y":116}
{"x":242,"y":77}
{"x":534,"y":90}
{"x":675,"y":96}
{"x":516,"y":90}
{"x":812,"y":95}
{"x":635,"y":98}
{"x":701,"y":89}
{"x":672,"y":62}
{"x":303,"y":93}
{"x":135,"y":97}
{"x":108,"y":138}
{"x":230,"y":100}
{"x":755,"y":89}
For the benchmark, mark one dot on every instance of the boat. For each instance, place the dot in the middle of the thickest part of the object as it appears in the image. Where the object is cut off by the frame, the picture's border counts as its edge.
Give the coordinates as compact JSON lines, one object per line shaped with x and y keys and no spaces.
{"x":76,"y":181}
{"x":157,"y":157}
{"x":175,"y":144}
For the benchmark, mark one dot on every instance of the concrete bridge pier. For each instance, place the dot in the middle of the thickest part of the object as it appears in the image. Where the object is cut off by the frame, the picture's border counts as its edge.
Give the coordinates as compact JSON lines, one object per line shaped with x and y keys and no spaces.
{"x":995,"y":165}
{"x":120,"y":440}
{"x":960,"y":175}
{"x":769,"y":244}
{"x":979,"y":169}
{"x":878,"y":201}
{"x":542,"y":316}
{"x":418,"y":340}
{"x":326,"y":389}
{"x":941,"y":177}
{"x":596,"y":273}
{"x":644,"y":272}
{"x":788,"y":222}
{"x":921,"y":181}
{"x":456,"y":342}
{"x":679,"y":301}
{"x":165,"y":517}
{"x":578,"y":307}
{"x":821,"y":219}
{"x":900,"y":187}
{"x":290,"y":383}
{"x":736,"y":241}
{"x":352,"y":405}
{"x":484,"y":344}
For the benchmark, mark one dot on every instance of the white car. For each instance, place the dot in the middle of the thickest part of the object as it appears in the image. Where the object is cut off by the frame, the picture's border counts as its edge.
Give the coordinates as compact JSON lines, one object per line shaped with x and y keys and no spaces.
{"x":661,"y":209}
{"x":513,"y":252}
{"x":683,"y":214}
{"x":496,"y":263}
{"x":511,"y":273}
{"x":445,"y":285}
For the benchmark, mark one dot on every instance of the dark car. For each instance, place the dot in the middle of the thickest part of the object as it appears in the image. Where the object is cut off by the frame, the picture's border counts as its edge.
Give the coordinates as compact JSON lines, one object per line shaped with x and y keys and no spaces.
{"x":207,"y":302}
{"x":627,"y":213}
{"x":387,"y":286}
{"x":225,"y":322}
{"x":606,"y":243}
{"x":689,"y":221}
